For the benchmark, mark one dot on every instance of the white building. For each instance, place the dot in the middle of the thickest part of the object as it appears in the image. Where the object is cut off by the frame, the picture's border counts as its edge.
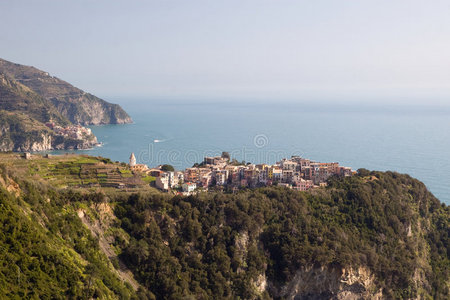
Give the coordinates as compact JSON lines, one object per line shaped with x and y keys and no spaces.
{"x":171,"y":176}
{"x":179,"y":178}
{"x":132,"y":160}
{"x":163,"y":182}
{"x":189,"y":187}
{"x":221,"y":177}
{"x":288,"y":165}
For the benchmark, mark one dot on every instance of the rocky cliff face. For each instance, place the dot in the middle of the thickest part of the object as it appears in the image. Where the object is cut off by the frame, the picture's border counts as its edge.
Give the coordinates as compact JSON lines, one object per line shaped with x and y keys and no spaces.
{"x":20,"y":133}
{"x":42,"y":141}
{"x":6,"y":144}
{"x":330,"y":283}
{"x":74,"y":104}
{"x":87,"y":109}
{"x":60,"y":143}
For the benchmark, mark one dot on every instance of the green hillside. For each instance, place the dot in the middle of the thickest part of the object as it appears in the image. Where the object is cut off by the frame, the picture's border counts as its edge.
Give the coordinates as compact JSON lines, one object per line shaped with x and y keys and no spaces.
{"x":223,"y":245}
{"x":72,"y":103}
{"x":16,"y":97}
{"x":371,"y":235}
{"x":47,"y":252}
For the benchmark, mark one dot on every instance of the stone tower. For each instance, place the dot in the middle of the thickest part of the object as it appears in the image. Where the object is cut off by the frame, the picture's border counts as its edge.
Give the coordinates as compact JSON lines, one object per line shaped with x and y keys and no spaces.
{"x":132,"y":160}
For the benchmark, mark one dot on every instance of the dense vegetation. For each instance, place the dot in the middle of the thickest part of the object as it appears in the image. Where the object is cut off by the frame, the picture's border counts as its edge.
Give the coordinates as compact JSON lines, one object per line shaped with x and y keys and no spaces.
{"x":46,"y":252}
{"x":198,"y":246}
{"x":219,"y":245}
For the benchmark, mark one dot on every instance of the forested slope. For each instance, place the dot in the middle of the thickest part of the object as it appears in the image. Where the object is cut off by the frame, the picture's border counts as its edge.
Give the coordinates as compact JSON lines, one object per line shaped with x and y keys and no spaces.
{"x":45,"y":251}
{"x":373,"y":235}
{"x":384,"y":229}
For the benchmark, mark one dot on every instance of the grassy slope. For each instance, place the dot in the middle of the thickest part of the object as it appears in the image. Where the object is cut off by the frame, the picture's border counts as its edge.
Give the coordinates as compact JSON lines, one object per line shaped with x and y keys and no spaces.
{"x":16,"y":97}
{"x":81,"y":172}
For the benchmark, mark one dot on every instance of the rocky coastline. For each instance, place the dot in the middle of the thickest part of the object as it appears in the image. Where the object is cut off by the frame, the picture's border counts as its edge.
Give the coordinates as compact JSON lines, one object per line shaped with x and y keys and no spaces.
{"x":44,"y":141}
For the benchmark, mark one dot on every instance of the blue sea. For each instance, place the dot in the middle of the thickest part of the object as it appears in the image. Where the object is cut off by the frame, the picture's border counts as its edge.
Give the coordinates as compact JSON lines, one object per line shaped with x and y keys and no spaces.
{"x":406,"y":139}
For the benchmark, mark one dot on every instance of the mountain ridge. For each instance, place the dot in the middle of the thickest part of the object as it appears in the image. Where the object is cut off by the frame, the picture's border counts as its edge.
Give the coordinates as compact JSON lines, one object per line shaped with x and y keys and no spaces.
{"x":15,"y":96}
{"x":39,"y":112}
{"x":73,"y":103}
{"x":27,"y":122}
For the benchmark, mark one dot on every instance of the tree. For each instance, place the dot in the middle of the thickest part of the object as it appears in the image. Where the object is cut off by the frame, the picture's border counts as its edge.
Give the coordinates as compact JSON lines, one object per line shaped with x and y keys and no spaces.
{"x":167,"y":168}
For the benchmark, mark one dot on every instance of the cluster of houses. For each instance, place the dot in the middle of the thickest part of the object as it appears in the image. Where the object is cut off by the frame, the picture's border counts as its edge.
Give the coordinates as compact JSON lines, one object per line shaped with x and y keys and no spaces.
{"x":76,"y":132}
{"x":296,"y":173}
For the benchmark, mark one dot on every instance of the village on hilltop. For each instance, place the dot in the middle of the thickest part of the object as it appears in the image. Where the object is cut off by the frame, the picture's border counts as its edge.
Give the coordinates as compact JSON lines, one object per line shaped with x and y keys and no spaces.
{"x":220,"y":171}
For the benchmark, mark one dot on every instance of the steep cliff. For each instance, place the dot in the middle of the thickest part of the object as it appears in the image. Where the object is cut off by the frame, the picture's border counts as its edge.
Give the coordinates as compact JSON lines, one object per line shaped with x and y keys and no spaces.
{"x":331,"y":283}
{"x":19,"y":132}
{"x":87,"y":109}
{"x":74,"y":104}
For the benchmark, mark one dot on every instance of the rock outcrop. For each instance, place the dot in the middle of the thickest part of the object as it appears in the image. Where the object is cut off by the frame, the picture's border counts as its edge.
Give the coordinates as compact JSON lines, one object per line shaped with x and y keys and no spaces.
{"x":41,"y":143}
{"x":330,"y":283}
{"x":34,"y":141}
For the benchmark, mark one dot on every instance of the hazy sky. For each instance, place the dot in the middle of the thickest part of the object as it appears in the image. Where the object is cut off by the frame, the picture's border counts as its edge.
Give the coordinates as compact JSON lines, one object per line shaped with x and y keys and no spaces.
{"x":295,"y":50}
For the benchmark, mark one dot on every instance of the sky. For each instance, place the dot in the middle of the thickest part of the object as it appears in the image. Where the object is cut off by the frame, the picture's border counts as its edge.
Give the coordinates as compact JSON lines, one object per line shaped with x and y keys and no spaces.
{"x":365,"y":51}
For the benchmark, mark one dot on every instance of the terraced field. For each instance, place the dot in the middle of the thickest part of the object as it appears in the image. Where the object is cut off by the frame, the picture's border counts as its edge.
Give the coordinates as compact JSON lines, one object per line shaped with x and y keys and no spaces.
{"x":77,"y":171}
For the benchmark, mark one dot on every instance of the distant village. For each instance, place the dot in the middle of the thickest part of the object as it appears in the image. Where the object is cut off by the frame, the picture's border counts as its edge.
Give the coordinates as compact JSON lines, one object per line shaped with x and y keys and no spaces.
{"x":76,"y":132}
{"x":221,"y":172}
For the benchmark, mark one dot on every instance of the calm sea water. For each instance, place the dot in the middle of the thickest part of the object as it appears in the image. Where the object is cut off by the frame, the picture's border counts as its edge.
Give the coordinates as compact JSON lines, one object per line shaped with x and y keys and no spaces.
{"x":404,"y":139}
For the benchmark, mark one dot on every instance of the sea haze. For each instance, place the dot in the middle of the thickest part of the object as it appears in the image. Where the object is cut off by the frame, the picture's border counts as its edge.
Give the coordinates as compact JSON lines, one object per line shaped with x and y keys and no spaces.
{"x":413,"y":140}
